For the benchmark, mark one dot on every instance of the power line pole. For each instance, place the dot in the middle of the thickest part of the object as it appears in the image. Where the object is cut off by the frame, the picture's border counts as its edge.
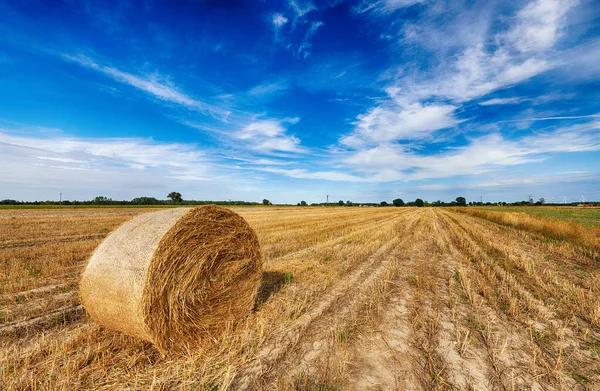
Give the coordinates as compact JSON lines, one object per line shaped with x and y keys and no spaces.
{"x":60,"y":200}
{"x":326,"y":203}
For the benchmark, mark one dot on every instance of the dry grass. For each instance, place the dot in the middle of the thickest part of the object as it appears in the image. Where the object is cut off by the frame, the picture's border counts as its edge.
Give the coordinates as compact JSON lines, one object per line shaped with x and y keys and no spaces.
{"x":203,"y":278}
{"x":588,"y":237}
{"x":350,"y":298}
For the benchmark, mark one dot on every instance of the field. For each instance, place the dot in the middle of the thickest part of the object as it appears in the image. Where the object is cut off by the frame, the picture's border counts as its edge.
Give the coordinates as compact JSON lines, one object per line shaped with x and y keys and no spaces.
{"x":351,"y":299}
{"x":589,"y":216}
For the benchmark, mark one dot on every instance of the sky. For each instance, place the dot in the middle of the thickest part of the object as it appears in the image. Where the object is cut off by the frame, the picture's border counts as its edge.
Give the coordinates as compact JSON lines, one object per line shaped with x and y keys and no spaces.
{"x":294,"y":100}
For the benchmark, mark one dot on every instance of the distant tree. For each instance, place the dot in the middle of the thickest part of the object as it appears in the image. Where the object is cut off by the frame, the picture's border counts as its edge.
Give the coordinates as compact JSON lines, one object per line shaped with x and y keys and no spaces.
{"x":461,"y":201}
{"x":266,"y":202}
{"x":419,"y":202}
{"x":542,"y":201}
{"x":341,"y":203}
{"x":146,"y":201}
{"x":349,"y":203}
{"x":384,"y":203}
{"x":398,"y":202}
{"x":101,"y":200}
{"x":175,"y":196}
{"x":303,"y":203}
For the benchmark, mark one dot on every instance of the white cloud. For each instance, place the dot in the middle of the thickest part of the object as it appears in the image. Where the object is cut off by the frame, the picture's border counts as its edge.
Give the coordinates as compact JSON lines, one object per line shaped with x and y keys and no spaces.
{"x":117,"y":167}
{"x":390,"y":162}
{"x":538,"y":25}
{"x":527,"y":119}
{"x":536,"y":180}
{"x":542,"y":99}
{"x":89,"y":153}
{"x":422,"y":102}
{"x":304,"y":174}
{"x":148,"y":84}
{"x":474,"y":62}
{"x":269,"y":135}
{"x":306,"y":45}
{"x":396,"y":122}
{"x":490,"y":154}
{"x":269,"y":88}
{"x":501,"y":101}
{"x":279,"y":21}
{"x":314,"y":26}
{"x":476,"y":73}
{"x":301,"y":8}
{"x":385,"y":6}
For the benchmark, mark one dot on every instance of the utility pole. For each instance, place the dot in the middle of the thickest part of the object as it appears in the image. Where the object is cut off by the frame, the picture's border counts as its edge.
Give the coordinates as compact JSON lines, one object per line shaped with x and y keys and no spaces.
{"x":481,"y":199}
{"x":326,"y":203}
{"x":60,"y":200}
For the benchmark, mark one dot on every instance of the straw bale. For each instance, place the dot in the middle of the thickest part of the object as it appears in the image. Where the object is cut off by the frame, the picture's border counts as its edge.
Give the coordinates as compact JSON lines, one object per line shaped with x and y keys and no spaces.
{"x":176,"y":277}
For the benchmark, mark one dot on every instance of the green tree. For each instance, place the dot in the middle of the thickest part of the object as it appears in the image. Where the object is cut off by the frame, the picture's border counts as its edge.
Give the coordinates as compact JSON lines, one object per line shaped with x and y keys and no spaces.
{"x":303,"y":203}
{"x":461,"y":201}
{"x":102,"y":200}
{"x":175,"y":196}
{"x":398,"y":202}
{"x":267,"y":202}
{"x":419,"y":202}
{"x":146,"y":201}
{"x":341,"y":203}
{"x":383,"y":203}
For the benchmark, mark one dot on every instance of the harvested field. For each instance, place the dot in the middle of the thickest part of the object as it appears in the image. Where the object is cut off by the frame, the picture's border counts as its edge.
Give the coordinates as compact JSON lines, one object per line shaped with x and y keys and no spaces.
{"x":587,"y":215}
{"x":350,"y":299}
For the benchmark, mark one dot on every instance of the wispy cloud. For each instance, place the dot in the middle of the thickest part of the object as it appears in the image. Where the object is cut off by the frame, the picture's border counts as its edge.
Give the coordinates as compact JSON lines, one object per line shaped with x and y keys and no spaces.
{"x":278,"y":20}
{"x":555,"y":118}
{"x":269,"y":88}
{"x":423,"y":101}
{"x":385,"y":6}
{"x":269,"y":135}
{"x":501,"y":101}
{"x":116,"y":167}
{"x":305,"y":174}
{"x":304,"y":50}
{"x":130,"y":152}
{"x":538,"y":25}
{"x":396,"y":121}
{"x":299,"y":9}
{"x":149,"y":84}
{"x":538,"y":100}
{"x":489,"y":153}
{"x":490,"y":61}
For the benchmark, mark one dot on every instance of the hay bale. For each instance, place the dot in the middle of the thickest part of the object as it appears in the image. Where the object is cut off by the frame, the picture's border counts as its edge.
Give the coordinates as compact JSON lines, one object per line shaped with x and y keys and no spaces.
{"x":174,"y":277}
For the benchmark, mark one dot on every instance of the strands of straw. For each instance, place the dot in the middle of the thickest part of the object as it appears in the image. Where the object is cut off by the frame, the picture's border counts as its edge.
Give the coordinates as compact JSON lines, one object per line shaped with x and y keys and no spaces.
{"x":178,"y":278}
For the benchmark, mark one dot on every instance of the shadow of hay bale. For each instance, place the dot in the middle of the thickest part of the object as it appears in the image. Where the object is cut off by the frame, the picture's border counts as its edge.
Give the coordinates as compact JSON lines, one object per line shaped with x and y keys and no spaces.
{"x":270,"y":283}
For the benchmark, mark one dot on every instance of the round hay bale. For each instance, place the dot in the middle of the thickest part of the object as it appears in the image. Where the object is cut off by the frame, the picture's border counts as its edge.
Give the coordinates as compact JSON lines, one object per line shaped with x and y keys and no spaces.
{"x":175,"y":277}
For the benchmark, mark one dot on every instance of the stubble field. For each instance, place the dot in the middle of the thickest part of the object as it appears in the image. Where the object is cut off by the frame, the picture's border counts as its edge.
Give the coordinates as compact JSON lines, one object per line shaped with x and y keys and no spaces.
{"x":351,"y":299}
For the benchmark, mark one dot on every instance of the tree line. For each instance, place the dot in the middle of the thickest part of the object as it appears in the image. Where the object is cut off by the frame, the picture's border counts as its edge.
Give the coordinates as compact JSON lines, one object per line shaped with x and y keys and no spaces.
{"x":460,"y":201}
{"x":175,"y":198}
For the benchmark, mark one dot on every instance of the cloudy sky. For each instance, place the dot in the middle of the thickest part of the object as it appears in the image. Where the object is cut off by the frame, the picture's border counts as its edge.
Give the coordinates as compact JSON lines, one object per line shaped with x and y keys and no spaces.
{"x":295,"y":100}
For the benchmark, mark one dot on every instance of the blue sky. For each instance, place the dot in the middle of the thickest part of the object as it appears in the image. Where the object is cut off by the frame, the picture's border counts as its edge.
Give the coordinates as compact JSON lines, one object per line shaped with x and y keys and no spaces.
{"x":295,"y":100}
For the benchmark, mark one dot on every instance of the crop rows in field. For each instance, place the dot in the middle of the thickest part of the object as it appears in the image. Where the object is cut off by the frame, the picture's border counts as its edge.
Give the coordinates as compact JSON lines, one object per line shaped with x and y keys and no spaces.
{"x":589,"y":216}
{"x":351,"y":298}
